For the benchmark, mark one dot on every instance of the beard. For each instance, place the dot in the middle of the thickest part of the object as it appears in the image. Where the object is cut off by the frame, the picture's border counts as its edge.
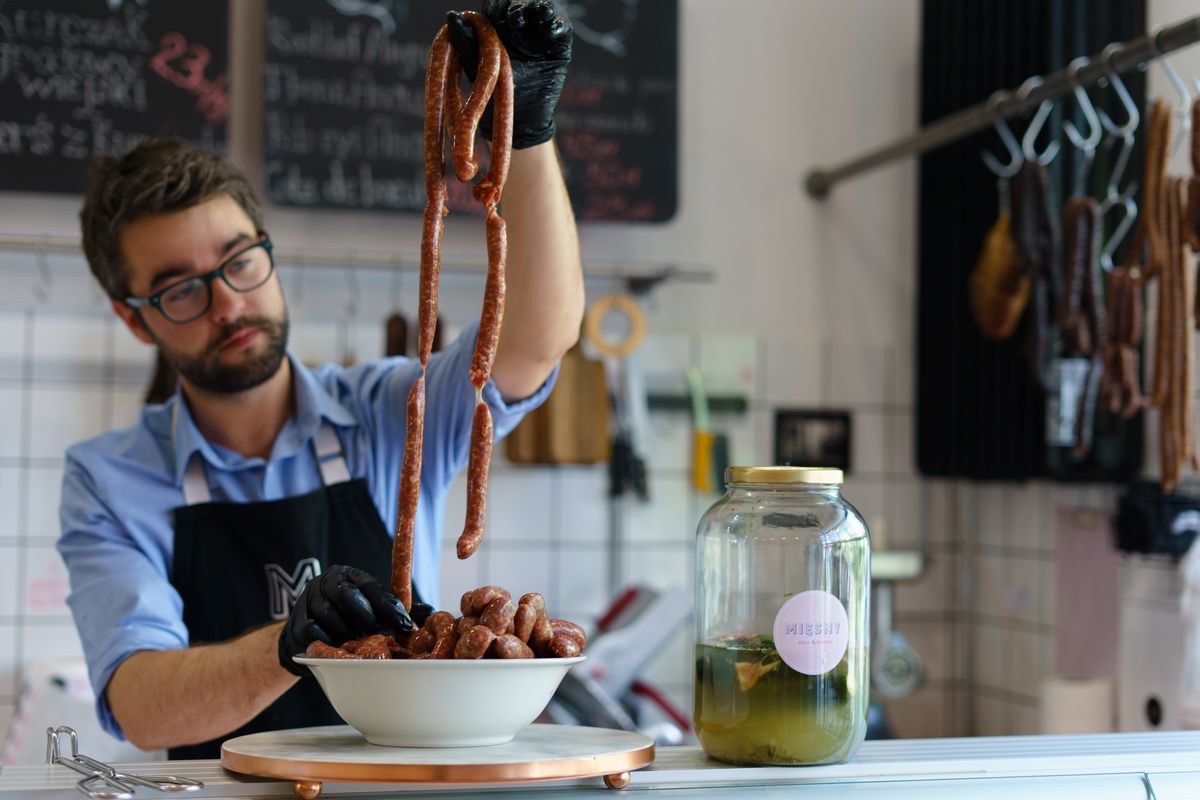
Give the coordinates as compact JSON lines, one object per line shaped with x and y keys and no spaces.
{"x":206,"y":372}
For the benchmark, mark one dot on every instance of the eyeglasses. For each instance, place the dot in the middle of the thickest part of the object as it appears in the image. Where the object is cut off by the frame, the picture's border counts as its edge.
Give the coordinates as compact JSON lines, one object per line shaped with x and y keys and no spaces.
{"x":191,"y":298}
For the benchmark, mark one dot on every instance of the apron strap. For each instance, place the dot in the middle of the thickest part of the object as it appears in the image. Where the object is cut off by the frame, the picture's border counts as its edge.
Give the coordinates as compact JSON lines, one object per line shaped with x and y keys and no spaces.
{"x":195,"y":482}
{"x":329,"y":455}
{"x":326,"y":446}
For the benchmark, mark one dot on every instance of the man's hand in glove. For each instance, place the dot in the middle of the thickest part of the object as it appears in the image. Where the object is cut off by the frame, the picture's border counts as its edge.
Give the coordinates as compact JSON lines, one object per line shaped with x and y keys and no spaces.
{"x":539,"y":46}
{"x":341,"y":604}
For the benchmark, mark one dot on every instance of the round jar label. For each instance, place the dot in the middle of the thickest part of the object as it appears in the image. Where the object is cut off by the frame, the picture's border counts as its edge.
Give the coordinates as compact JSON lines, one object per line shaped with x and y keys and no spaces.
{"x":812,"y":631}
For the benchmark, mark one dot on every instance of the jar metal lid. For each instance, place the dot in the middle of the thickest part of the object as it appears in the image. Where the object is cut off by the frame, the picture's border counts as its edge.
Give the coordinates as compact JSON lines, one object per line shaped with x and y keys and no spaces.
{"x":811,"y":475}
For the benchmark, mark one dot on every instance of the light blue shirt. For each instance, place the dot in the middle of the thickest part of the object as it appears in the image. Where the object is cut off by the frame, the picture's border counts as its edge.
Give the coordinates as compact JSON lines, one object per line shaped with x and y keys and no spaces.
{"x":120,"y":489}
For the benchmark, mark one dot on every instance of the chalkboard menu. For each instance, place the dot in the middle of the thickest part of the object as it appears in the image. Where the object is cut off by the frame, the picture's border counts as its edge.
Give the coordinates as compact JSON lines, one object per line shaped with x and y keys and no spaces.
{"x":84,"y":78}
{"x":344,"y":87}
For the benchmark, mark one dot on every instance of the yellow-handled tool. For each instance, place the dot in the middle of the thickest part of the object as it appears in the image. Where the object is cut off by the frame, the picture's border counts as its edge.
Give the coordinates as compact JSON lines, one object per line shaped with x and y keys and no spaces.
{"x":702,"y":436}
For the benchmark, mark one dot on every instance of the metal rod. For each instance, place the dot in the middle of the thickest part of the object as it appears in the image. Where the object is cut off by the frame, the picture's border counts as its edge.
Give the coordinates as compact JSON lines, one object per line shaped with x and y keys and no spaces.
{"x":637,"y":274}
{"x":1003,"y":105}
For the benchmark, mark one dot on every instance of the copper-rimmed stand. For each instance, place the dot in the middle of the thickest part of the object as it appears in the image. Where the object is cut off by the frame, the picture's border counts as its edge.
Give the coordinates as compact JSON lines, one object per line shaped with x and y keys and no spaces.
{"x":311,"y":757}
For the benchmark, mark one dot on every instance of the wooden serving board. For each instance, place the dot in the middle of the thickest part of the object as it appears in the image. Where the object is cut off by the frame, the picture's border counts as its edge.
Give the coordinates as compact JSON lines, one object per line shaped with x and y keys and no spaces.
{"x":312,"y":756}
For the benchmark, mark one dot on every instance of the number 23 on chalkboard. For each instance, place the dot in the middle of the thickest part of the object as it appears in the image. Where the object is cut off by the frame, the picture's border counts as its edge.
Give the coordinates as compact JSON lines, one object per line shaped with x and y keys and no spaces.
{"x":184,"y":64}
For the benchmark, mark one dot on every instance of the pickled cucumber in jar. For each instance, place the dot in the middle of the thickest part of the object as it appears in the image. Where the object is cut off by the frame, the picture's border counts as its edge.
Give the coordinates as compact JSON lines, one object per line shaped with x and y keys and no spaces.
{"x":755,"y":709}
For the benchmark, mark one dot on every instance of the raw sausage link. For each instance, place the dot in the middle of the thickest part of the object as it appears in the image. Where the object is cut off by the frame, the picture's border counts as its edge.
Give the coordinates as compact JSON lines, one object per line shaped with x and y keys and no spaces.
{"x":562,"y":627}
{"x":410,"y":493}
{"x":452,"y":106}
{"x":421,"y":642}
{"x":465,"y":624}
{"x":475,"y":601}
{"x":445,"y":644}
{"x":475,"y":643}
{"x":539,"y":640}
{"x":378,"y":646}
{"x":463,"y":158}
{"x":493,"y":301}
{"x":436,"y":76}
{"x":319,"y":649}
{"x":439,"y":622}
{"x":510,"y":646}
{"x":565,"y":647}
{"x":499,"y":615}
{"x":523,"y":621}
{"x":533,"y":599}
{"x":487,"y":191}
{"x":477,"y":473}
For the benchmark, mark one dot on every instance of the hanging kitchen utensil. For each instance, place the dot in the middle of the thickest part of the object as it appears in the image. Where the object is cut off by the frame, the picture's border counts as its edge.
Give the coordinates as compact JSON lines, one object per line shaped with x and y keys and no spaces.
{"x":395,"y":335}
{"x":1120,"y":381}
{"x":896,"y":667}
{"x":637,"y":408}
{"x":702,"y":436}
{"x":999,"y":288}
{"x":1193,"y":203}
{"x":626,"y":468}
{"x":1080,"y":313}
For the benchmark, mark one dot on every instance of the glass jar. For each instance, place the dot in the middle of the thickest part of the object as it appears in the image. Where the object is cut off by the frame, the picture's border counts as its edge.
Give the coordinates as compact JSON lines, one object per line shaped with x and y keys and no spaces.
{"x":782,"y":633}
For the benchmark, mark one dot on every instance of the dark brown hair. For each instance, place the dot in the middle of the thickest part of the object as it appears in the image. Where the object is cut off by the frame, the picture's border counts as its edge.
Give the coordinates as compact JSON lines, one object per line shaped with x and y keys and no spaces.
{"x":158,"y":176}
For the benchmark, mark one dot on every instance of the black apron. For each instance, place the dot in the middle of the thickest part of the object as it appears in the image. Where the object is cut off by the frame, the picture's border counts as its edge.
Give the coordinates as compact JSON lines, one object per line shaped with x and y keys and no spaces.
{"x":239,"y":566}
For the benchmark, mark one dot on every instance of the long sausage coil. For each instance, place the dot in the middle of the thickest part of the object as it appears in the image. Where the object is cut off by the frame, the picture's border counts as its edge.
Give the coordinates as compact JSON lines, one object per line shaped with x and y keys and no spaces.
{"x":448,"y":115}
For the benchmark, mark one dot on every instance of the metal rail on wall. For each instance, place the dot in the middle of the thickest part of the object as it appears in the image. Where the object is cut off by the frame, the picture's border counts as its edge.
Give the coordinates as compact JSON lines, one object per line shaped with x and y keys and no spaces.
{"x":639,"y":278}
{"x":1004,"y":104}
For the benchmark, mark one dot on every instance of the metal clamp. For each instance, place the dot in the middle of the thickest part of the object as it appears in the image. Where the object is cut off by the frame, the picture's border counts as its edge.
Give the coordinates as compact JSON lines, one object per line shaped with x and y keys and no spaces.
{"x":101,"y":781}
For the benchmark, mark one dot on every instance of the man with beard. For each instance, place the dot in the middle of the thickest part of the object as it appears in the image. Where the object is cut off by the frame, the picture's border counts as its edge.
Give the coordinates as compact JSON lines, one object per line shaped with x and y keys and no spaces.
{"x":251,"y":513}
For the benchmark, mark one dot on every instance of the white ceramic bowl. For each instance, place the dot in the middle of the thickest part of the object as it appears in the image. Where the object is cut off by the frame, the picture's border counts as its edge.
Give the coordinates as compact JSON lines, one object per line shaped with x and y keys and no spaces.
{"x":442,"y":703}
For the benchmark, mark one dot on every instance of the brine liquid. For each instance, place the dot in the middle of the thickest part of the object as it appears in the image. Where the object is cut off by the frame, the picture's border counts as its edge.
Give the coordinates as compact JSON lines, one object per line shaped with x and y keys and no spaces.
{"x":751,"y":708}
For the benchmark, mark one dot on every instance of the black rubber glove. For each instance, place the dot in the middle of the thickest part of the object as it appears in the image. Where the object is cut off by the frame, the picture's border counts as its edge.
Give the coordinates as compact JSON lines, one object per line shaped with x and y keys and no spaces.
{"x":343,"y":603}
{"x":538,"y":41}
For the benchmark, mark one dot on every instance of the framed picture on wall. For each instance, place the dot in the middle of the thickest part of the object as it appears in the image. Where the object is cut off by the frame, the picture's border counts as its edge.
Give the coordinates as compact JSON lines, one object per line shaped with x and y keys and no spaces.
{"x":805,"y":438}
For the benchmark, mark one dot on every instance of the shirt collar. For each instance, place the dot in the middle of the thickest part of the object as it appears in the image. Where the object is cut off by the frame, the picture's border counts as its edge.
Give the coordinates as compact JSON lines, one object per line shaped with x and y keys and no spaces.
{"x":314,"y":403}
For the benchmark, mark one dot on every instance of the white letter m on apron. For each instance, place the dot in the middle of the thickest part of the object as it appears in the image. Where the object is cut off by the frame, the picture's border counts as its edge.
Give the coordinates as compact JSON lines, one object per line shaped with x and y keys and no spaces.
{"x":283,"y":589}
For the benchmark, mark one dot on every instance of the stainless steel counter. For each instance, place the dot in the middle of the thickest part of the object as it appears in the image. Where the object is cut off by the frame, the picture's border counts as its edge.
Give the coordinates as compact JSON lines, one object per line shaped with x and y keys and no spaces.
{"x":1097,"y":767}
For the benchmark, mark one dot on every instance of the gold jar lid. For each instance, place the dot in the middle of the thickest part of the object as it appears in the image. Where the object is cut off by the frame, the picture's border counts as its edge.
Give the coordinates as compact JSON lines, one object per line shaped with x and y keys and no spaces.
{"x":783,"y":475}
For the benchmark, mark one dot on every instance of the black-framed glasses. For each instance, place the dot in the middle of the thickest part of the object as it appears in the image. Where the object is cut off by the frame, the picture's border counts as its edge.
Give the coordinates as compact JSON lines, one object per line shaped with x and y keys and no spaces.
{"x":190,"y":298}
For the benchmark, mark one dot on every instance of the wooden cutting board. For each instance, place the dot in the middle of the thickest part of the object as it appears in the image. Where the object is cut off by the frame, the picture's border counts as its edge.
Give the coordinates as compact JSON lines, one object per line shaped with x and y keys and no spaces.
{"x":571,"y":427}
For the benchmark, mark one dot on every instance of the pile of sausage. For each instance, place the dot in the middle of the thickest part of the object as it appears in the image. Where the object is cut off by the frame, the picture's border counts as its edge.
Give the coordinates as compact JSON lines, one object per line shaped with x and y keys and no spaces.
{"x":491,"y":626}
{"x":447,"y":115}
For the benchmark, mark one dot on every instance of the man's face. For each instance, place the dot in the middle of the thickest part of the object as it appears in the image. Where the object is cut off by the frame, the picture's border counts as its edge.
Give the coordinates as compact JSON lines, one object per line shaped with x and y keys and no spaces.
{"x":239,"y":342}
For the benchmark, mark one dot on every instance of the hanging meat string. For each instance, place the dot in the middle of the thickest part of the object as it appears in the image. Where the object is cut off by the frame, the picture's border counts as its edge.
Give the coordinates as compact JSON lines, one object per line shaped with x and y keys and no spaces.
{"x":491,"y":625}
{"x":1163,"y":233}
{"x":448,"y":116}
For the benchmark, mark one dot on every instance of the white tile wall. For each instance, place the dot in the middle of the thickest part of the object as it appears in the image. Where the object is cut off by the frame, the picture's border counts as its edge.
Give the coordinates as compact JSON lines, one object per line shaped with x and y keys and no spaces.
{"x":46,"y":585}
{"x":11,"y":414}
{"x":794,"y":371}
{"x":43,"y":489}
{"x":62,"y":416}
{"x":9,"y":664}
{"x":1011,"y":626}
{"x":10,"y":589}
{"x":10,"y":492}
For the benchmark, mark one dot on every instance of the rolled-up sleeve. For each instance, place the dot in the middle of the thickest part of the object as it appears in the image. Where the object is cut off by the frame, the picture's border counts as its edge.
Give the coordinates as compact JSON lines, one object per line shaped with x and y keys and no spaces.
{"x":121,"y":595}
